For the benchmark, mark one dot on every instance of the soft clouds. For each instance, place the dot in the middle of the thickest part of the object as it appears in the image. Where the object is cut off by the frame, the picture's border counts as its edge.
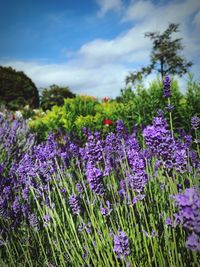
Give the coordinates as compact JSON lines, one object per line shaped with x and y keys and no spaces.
{"x":173,"y":11}
{"x":122,"y":48}
{"x":196,"y":20}
{"x":132,"y":47}
{"x":104,"y":80}
{"x":99,"y":67}
{"x":108,"y":5}
{"x":138,"y":10}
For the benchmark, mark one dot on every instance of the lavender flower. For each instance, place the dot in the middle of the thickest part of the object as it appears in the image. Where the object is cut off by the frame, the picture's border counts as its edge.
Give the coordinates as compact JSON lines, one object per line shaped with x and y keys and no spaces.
{"x":106,"y":211}
{"x":170,"y":108}
{"x":94,"y":176}
{"x":160,"y":113}
{"x":111,"y":152}
{"x":74,"y":204}
{"x":74,"y":150}
{"x":81,"y":227}
{"x":119,"y":128}
{"x":192,"y":242}
{"x":63,"y":190}
{"x":189,"y":215}
{"x":47,"y":219}
{"x":138,"y":180}
{"x":179,"y":158}
{"x":123,"y":188}
{"x":79,"y":188}
{"x":33,"y":221}
{"x":121,"y":245}
{"x":93,"y":150}
{"x":85,"y":253}
{"x":153,"y":233}
{"x":195,"y":122}
{"x":172,"y":153}
{"x":168,"y":222}
{"x":137,"y":198}
{"x":167,"y":85}
{"x":88,"y":228}
{"x":187,"y":141}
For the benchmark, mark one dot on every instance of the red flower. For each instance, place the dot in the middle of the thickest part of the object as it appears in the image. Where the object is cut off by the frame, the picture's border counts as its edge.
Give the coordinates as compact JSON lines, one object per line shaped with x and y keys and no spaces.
{"x":107,"y":122}
{"x":106,"y":99}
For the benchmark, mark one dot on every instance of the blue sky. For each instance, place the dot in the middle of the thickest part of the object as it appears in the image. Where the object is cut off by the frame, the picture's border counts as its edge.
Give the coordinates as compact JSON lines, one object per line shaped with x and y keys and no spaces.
{"x":91,"y":45}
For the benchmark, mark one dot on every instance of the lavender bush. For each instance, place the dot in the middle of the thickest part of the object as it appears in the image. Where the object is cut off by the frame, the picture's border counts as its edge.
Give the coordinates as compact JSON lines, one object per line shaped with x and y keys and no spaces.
{"x":112,"y":201}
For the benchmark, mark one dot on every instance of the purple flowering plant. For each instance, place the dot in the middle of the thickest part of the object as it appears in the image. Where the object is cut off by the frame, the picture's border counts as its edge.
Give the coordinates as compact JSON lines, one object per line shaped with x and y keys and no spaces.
{"x":87,"y":203}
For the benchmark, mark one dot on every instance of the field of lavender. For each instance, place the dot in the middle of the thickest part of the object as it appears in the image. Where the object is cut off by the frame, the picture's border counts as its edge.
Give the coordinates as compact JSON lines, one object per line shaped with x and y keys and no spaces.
{"x":117,"y":200}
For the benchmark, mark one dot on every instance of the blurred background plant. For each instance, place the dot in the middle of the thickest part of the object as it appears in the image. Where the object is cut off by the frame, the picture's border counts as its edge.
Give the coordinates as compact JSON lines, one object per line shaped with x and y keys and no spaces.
{"x":61,"y":110}
{"x":54,"y":95}
{"x":136,"y":107}
{"x":17,"y":90}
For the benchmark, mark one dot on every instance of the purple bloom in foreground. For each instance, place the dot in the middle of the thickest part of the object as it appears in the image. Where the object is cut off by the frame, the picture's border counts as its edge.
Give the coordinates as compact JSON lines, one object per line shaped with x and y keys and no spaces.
{"x":119,"y":128}
{"x":46,"y":219}
{"x":168,"y":222}
{"x":137,"y":198}
{"x":189,"y":215}
{"x":94,"y":176}
{"x":103,"y":211}
{"x":167,"y":85}
{"x":79,"y":188}
{"x":192,"y":242}
{"x":33,"y":221}
{"x":106,"y":211}
{"x":138,"y":181}
{"x":121,"y":245}
{"x":170,"y":108}
{"x":187,"y":141}
{"x":74,"y":204}
{"x":195,"y":122}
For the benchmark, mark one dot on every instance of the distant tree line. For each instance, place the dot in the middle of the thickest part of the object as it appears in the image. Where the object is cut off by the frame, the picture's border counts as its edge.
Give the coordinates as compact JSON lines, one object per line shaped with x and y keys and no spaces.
{"x":17,"y":91}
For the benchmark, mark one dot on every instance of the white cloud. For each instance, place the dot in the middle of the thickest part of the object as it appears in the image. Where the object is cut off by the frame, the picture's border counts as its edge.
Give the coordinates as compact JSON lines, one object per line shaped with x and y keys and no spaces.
{"x":108,"y":5}
{"x":138,"y":10}
{"x":196,"y":20}
{"x":105,"y":80}
{"x":174,"y":11}
{"x":117,"y":50}
{"x":132,"y":45}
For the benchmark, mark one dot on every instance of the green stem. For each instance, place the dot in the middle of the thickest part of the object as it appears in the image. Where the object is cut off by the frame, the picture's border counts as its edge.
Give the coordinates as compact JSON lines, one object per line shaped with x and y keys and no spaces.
{"x":170,"y":118}
{"x":197,"y":142}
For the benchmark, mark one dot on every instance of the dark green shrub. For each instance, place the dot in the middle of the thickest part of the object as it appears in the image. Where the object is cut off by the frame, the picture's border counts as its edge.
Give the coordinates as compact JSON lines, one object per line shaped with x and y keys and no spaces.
{"x":17,"y":90}
{"x":54,"y":96}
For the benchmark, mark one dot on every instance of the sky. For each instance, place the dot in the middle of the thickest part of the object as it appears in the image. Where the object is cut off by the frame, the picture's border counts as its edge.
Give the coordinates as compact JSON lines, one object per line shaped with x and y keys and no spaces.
{"x":92,"y":45}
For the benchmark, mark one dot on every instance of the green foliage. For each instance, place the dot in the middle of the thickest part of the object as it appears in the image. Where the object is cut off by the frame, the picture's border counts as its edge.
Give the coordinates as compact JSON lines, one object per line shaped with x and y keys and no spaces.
{"x":139,"y":107}
{"x":81,"y":105}
{"x":17,"y":90}
{"x":76,"y":113}
{"x":54,"y":95}
{"x":191,"y":103}
{"x":43,"y":123}
{"x":127,"y":94}
{"x":135,"y":108}
{"x":89,"y":121}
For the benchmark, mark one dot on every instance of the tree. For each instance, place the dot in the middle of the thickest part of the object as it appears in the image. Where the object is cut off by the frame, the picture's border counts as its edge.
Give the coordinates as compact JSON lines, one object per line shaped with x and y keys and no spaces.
{"x":165,"y":56}
{"x":17,"y":90}
{"x":55,"y":95}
